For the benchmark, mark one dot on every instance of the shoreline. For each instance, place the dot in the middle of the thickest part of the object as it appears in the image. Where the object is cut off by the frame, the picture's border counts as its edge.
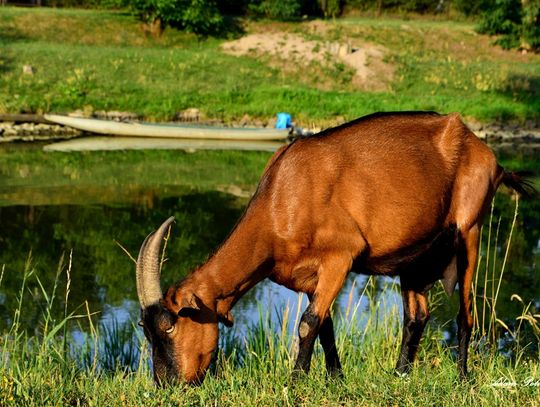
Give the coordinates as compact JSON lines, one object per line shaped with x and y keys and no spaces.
{"x":497,"y":135}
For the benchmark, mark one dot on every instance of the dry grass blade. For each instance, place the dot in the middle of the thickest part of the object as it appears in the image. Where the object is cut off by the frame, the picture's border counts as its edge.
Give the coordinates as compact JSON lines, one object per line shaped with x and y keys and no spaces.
{"x":126,"y":251}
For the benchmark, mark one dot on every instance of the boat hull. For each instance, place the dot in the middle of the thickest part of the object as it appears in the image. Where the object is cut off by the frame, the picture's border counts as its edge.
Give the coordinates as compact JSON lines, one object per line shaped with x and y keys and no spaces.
{"x":168,"y":130}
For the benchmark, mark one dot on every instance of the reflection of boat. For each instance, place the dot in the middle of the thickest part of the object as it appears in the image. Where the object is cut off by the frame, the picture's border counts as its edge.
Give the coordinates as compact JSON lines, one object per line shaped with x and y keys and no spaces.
{"x":140,"y":143}
{"x":133,"y":129}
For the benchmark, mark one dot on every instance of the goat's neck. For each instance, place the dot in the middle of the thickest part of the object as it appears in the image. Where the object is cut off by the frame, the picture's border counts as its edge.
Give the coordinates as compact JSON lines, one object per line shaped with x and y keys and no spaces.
{"x":241,"y":262}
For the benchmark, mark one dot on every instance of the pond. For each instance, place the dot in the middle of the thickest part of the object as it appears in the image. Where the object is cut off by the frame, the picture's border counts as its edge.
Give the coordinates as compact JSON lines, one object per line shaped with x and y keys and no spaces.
{"x":89,"y":209}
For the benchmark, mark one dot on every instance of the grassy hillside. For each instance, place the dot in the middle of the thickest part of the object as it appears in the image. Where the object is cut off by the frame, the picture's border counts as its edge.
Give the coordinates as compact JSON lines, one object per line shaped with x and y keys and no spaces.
{"x":95,"y":60}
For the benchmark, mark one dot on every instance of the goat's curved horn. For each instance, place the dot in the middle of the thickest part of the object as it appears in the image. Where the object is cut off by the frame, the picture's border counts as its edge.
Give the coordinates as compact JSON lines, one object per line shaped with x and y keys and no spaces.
{"x":148,"y":267}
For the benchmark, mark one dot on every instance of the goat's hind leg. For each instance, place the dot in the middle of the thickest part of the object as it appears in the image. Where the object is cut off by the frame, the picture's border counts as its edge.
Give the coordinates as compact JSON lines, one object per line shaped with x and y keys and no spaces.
{"x":328,"y":342}
{"x":467,"y":257}
{"x":415,"y":318}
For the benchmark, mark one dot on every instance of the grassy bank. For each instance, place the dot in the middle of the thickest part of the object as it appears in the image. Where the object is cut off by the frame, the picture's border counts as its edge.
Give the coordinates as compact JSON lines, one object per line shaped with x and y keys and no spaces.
{"x":98,"y":60}
{"x":255,"y":370}
{"x":47,"y":365}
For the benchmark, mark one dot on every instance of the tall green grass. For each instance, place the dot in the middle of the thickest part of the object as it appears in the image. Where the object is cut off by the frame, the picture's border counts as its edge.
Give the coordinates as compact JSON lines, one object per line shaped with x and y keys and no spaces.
{"x":490,"y":275}
{"x":44,"y":366}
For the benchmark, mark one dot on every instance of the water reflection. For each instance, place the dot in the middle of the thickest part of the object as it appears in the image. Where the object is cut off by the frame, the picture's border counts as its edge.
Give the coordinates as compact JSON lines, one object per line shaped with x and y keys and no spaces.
{"x":40,"y":225}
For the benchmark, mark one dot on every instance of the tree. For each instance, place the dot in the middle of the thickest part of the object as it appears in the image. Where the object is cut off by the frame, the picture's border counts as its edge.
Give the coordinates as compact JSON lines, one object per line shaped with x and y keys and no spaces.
{"x":517,"y":21}
{"x":276,"y":9}
{"x":198,"y":16}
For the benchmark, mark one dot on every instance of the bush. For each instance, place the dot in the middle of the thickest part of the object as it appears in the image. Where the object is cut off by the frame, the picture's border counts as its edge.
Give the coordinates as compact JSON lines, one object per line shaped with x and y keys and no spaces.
{"x":416,"y":6}
{"x":198,"y":16}
{"x":99,"y":4}
{"x":331,"y":8}
{"x":471,"y":7}
{"x":530,"y":24}
{"x":502,"y":17}
{"x":518,"y":23}
{"x":276,"y":9}
{"x":420,"y":6}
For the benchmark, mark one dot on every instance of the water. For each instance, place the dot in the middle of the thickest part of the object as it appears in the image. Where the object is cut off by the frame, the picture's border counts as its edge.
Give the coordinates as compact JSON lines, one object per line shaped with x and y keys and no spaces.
{"x":92,"y":206}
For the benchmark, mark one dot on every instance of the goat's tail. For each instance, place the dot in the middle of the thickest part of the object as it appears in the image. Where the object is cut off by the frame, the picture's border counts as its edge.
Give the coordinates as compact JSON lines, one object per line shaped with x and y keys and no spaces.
{"x":520,"y":183}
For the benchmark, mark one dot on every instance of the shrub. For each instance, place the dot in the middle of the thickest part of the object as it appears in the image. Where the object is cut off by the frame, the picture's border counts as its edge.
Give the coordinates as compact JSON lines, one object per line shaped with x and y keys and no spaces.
{"x":99,"y":4}
{"x":502,"y":17}
{"x":198,"y":16}
{"x":331,"y":8}
{"x":276,"y":9}
{"x":530,"y":24}
{"x":471,"y":7}
{"x":517,"y":21}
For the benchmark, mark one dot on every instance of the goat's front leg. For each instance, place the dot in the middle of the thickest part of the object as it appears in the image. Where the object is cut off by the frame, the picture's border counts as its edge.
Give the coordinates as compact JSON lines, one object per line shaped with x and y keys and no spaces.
{"x":328,"y":343}
{"x":332,"y":273}
{"x":307,"y":333}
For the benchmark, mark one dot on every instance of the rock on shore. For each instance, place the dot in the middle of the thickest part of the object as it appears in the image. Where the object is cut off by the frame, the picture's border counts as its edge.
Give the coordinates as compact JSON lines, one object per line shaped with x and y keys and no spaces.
{"x":10,"y":131}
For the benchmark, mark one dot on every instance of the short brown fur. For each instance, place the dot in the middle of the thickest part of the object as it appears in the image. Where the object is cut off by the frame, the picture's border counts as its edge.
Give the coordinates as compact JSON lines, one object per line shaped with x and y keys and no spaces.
{"x":389,"y":194}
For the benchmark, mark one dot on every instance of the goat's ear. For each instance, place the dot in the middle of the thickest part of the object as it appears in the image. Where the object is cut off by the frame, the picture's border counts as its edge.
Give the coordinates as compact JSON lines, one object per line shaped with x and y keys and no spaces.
{"x":226,"y":319}
{"x":188,"y":303}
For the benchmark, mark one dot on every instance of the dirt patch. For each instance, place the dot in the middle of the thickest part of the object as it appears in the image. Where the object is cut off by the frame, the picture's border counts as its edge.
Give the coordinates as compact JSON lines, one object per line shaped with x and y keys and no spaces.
{"x":369,"y":71}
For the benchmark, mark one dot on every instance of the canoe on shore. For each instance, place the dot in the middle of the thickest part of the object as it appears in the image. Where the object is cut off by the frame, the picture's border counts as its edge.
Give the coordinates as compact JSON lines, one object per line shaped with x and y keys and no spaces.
{"x":147,"y":143}
{"x":174,"y":131}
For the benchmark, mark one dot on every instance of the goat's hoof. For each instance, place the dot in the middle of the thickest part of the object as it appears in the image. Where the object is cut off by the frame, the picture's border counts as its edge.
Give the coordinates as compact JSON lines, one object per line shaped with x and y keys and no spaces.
{"x":297,"y":375}
{"x":401,"y":373}
{"x":335,"y":374}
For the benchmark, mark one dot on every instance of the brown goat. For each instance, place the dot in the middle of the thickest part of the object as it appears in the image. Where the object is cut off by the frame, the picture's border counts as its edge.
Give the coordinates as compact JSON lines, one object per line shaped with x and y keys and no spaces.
{"x":387,"y":194}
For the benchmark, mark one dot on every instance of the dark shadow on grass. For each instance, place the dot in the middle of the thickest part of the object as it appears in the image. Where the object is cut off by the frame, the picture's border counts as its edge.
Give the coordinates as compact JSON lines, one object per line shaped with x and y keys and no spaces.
{"x":8,"y":35}
{"x":6,"y":64}
{"x":233,"y":27}
{"x":524,"y":89}
{"x":230,"y":27}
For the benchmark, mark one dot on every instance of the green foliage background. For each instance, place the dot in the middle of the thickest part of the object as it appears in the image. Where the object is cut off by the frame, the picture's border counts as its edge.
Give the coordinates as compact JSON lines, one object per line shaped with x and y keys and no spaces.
{"x":516,"y":22}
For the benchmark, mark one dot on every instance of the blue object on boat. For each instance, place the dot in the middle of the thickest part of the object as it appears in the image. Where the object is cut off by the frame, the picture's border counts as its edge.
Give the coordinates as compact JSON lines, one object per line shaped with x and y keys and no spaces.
{"x":284,"y":121}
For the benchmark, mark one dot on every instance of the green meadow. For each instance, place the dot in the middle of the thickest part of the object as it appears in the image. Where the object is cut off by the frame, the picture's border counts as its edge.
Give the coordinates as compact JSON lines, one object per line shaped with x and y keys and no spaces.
{"x":101,"y":60}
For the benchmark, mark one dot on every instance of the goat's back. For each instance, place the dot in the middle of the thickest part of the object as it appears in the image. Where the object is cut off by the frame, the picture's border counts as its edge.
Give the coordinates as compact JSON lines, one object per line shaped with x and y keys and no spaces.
{"x":385,"y":175}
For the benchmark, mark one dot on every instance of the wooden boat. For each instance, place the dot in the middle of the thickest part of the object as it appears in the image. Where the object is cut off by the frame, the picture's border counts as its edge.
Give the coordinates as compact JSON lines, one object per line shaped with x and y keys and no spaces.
{"x":133,"y":129}
{"x":145,"y":143}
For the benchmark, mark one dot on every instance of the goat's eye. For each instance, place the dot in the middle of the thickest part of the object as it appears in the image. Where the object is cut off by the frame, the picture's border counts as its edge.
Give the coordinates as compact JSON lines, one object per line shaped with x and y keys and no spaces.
{"x":140,"y":323}
{"x":170,"y":330}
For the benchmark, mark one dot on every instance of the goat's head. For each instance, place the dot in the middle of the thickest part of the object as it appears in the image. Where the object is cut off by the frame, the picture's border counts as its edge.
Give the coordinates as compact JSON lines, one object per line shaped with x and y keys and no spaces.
{"x":180,"y":326}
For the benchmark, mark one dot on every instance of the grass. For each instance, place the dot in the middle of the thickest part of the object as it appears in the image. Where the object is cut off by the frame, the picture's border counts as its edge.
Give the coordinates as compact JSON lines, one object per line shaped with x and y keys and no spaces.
{"x":101,"y":60}
{"x":45,"y":367}
{"x":256,"y":371}
{"x":29,"y":174}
